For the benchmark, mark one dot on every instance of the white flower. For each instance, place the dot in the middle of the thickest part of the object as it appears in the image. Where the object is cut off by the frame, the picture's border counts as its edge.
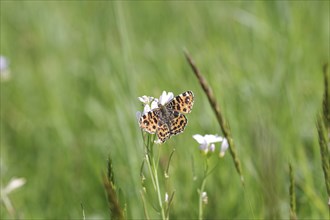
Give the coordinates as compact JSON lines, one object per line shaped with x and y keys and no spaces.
{"x":14,"y":183}
{"x":166,"y":197}
{"x":3,"y":63}
{"x":204,"y":198}
{"x":158,"y":141}
{"x":4,"y":68}
{"x":153,"y":105}
{"x":207,"y":143}
{"x":146,"y":100}
{"x":224,"y":147}
{"x":149,"y":102}
{"x":165,"y":97}
{"x":138,"y":115}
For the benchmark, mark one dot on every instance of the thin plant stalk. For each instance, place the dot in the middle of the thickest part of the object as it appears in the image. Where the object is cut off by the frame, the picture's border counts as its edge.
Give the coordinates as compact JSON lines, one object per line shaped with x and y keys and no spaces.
{"x":144,"y":205}
{"x":159,"y":194}
{"x":216,"y":108}
{"x":200,"y":204}
{"x":152,"y":167}
{"x":116,"y":211}
{"x":293,"y":215}
{"x":200,"y":216}
{"x":207,"y":172}
{"x":323,"y":129}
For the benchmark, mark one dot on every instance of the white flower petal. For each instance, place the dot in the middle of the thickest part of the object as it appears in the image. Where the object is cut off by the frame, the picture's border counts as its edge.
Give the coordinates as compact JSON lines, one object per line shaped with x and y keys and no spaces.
{"x":199,"y":138}
{"x":138,"y":115}
{"x":224,"y":147}
{"x":165,"y":97}
{"x":144,"y":99}
{"x":166,"y":197}
{"x":146,"y":109}
{"x":147,"y":99}
{"x":14,"y":184}
{"x":170,"y":96}
{"x":154,"y":105}
{"x":162,"y":98}
{"x":204,"y":197}
{"x":210,"y":138}
{"x":212,"y":147}
{"x":204,"y":148}
{"x":3,"y":63}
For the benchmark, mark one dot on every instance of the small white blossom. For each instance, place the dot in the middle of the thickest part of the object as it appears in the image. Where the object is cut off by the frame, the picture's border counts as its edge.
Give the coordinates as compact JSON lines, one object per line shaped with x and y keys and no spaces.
{"x":154,"y":104}
{"x":138,"y":115}
{"x":207,"y":143}
{"x":165,"y":97}
{"x":204,"y":198}
{"x":14,"y":183}
{"x":212,"y":147}
{"x":150,"y":103}
{"x":3,"y":63}
{"x":166,"y":197}
{"x":224,"y":147}
{"x":146,"y":100}
{"x":4,"y":69}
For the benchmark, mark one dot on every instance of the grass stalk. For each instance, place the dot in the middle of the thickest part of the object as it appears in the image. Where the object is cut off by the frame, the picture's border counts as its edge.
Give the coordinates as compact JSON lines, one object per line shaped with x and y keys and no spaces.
{"x":144,"y":205}
{"x":220,"y":118}
{"x":116,"y":212}
{"x":323,"y":129}
{"x":292,"y":192}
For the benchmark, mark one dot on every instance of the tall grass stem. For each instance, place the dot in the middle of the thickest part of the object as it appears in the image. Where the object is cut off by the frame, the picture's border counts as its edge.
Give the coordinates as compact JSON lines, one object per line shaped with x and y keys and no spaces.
{"x":220,"y":118}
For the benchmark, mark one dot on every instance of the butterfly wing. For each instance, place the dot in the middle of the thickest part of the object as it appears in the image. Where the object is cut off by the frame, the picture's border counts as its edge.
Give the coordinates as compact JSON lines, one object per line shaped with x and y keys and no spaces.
{"x":163,"y":131}
{"x":182,"y":103}
{"x":178,"y":123}
{"x":149,"y":121}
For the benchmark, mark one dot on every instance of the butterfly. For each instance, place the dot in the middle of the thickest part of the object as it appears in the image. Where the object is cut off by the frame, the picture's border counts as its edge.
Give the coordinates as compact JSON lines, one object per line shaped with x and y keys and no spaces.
{"x":168,"y":119}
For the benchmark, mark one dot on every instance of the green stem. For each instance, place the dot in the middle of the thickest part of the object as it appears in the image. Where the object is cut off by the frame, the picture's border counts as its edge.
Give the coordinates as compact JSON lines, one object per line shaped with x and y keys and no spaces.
{"x":152,"y":167}
{"x":200,"y":217}
{"x":158,"y":193}
{"x":150,"y":170}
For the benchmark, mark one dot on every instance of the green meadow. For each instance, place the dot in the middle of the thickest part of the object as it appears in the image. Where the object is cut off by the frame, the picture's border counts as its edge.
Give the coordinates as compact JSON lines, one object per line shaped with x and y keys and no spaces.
{"x":77,"y":69}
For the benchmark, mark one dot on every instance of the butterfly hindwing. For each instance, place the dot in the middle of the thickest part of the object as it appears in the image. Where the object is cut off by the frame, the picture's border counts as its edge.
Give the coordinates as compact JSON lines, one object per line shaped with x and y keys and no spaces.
{"x":178,"y":123}
{"x":163,"y":131}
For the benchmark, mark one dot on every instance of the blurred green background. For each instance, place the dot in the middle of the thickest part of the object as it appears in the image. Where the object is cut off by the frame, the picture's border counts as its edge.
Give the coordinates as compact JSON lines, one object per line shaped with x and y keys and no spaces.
{"x":77,"y":69}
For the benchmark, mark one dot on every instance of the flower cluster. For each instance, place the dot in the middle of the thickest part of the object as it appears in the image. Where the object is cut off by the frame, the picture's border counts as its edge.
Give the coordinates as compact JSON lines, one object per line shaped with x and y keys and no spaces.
{"x":207,"y":143}
{"x":151,"y":103}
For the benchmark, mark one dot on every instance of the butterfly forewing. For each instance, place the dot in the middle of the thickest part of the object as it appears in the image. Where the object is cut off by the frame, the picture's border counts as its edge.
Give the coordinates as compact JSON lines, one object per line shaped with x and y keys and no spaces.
{"x":182,"y":103}
{"x":149,"y":121}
